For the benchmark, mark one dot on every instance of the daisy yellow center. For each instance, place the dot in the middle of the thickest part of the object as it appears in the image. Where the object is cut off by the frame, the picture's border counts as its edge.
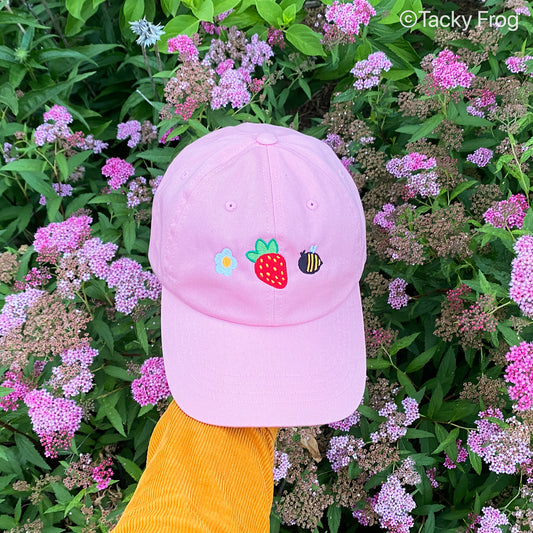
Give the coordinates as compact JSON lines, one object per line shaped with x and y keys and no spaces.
{"x":226,"y":262}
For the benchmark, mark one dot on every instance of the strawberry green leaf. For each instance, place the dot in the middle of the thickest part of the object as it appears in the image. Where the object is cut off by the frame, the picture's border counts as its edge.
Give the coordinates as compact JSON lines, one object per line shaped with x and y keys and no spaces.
{"x":261,"y":246}
{"x":252,"y":256}
{"x":272,"y":247}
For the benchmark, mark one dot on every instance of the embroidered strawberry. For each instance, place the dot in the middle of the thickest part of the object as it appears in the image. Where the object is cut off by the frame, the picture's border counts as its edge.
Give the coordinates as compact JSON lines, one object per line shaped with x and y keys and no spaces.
{"x":270,"y":266}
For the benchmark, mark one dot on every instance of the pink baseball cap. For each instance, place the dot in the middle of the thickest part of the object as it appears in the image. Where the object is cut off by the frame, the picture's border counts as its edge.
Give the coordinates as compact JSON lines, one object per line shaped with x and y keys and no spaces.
{"x":258,"y":239}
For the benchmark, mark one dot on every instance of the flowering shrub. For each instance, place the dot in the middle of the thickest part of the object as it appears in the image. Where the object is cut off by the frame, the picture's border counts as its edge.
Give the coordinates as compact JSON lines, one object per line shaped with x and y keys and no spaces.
{"x":433,"y":124}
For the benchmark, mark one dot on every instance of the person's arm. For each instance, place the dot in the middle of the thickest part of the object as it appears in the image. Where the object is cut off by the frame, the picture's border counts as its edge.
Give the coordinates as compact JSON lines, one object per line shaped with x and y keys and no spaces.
{"x":201,"y":478}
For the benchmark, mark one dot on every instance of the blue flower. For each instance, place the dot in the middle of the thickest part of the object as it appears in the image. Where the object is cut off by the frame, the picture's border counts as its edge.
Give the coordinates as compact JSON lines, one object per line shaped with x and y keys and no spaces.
{"x":225,"y":262}
{"x":148,"y":33}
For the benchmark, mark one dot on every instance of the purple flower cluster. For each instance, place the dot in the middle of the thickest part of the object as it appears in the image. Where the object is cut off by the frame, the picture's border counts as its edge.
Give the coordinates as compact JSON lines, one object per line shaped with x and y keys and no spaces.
{"x":422,"y":183}
{"x":344,"y":20}
{"x":393,"y":505}
{"x":491,"y":518}
{"x":517,"y":64}
{"x":152,"y":386}
{"x":55,"y":420}
{"x":131,"y":129}
{"x":281,"y":465}
{"x":519,"y":373}
{"x":60,"y":237}
{"x":74,"y":376}
{"x":383,"y":218}
{"x":480,"y":157}
{"x":95,"y":255}
{"x":521,"y":287}
{"x":368,"y":70}
{"x":396,"y":424}
{"x":132,"y":284}
{"x":342,"y":450}
{"x":507,"y":213}
{"x":448,"y":72}
{"x":118,"y":171}
{"x":55,"y":128}
{"x":480,"y":105}
{"x":346,"y":423}
{"x":431,"y":474}
{"x":501,"y":448}
{"x":15,"y":307}
{"x":397,"y":296}
{"x":462,"y":454}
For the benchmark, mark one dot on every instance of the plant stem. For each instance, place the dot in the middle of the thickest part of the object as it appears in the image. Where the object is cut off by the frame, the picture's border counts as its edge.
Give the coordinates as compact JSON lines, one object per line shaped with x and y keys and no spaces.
{"x":145,"y":57}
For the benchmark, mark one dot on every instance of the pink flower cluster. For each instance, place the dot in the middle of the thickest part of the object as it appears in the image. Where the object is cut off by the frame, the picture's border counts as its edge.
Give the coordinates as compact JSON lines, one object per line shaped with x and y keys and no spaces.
{"x":368,"y":70}
{"x":118,"y":171}
{"x":521,"y":287}
{"x":480,"y":105}
{"x":102,"y":474}
{"x":55,"y":420}
{"x":281,"y":465}
{"x":152,"y":386}
{"x":60,"y":237}
{"x":422,"y":183}
{"x":132,"y":284}
{"x":15,"y":307}
{"x":344,"y":20}
{"x":185,"y":46}
{"x":448,"y":72}
{"x":383,"y":218}
{"x":507,"y":213}
{"x":346,"y":423}
{"x":501,"y":448}
{"x":342,"y":450}
{"x":462,"y":455}
{"x":13,"y":380}
{"x":397,"y":296}
{"x":396,"y":424}
{"x":393,"y":505}
{"x":480,"y":157}
{"x":275,"y":37}
{"x":95,"y":255}
{"x":519,"y":372}
{"x":517,"y":64}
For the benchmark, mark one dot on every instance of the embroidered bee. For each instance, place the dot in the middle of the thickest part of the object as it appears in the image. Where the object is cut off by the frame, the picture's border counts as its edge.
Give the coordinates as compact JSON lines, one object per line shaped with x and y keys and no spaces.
{"x":310,"y":261}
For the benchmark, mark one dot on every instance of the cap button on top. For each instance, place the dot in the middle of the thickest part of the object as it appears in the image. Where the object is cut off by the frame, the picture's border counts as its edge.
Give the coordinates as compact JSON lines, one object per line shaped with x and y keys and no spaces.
{"x":266,"y":138}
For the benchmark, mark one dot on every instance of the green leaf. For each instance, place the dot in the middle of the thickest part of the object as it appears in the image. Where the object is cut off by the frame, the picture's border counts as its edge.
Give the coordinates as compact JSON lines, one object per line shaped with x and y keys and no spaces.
{"x":140,"y":330}
{"x":113,"y":416}
{"x":509,"y":334}
{"x":170,"y":7}
{"x":420,"y":360}
{"x":131,"y":468}
{"x":413,"y":433}
{"x":462,"y":187}
{"x":28,"y":453}
{"x":129,"y":234}
{"x":118,"y":372}
{"x":4,"y":391}
{"x":334,"y":518}
{"x":305,"y":40}
{"x":204,"y":9}
{"x":180,"y":25}
{"x":102,"y":329}
{"x":61,"y":162}
{"x":270,"y":11}
{"x":436,"y":401}
{"x":475,"y":461}
{"x":9,"y":98}
{"x":450,"y":438}
{"x":377,"y":364}
{"x":427,"y":127}
{"x":221,"y":6}
{"x":402,"y":343}
{"x":133,"y":10}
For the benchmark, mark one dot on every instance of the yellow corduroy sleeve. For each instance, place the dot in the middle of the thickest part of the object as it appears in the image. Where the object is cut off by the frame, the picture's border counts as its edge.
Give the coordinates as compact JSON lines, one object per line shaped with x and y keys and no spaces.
{"x":201,"y":478}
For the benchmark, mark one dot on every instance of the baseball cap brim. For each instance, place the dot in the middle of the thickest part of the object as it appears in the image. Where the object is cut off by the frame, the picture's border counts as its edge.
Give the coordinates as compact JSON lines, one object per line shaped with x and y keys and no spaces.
{"x":229,"y":374}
